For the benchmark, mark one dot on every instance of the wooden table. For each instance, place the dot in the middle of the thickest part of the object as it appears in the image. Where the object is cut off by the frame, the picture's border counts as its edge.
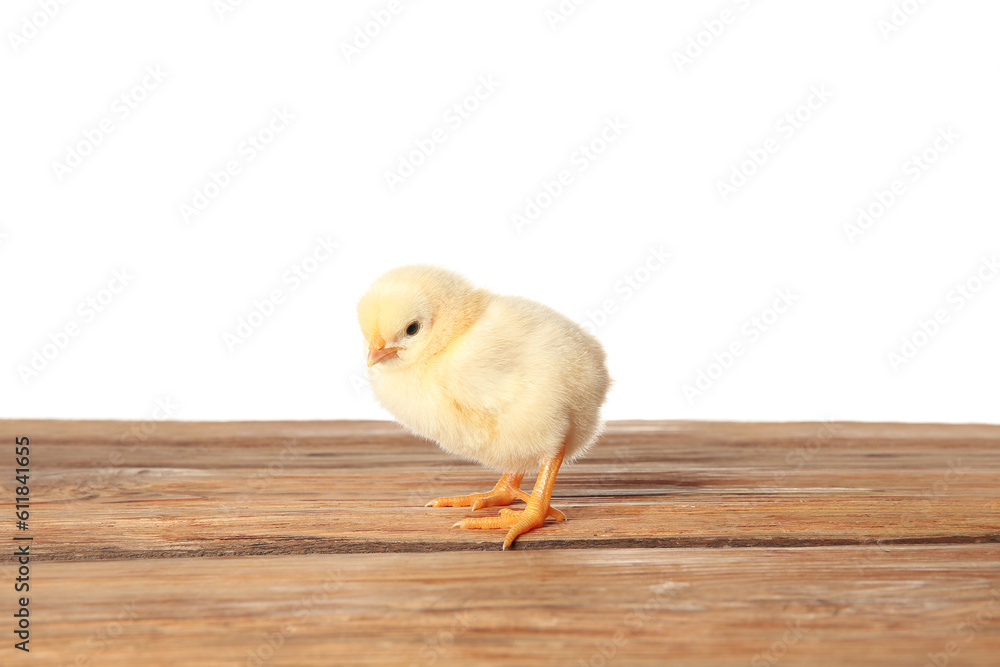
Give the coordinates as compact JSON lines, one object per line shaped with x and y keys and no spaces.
{"x":688,"y":543}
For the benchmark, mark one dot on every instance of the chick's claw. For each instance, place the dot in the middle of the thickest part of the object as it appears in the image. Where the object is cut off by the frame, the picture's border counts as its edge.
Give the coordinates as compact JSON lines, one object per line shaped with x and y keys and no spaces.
{"x":475,"y":500}
{"x":519,"y":522}
{"x":506,"y":491}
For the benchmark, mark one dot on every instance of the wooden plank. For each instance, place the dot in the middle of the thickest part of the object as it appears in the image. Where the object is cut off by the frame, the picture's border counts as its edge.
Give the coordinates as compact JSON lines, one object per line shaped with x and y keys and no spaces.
{"x":894,"y":605}
{"x":114,"y":490}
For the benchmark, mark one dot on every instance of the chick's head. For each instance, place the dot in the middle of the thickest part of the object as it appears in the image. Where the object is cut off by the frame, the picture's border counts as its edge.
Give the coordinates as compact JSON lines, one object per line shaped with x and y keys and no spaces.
{"x":411,"y":312}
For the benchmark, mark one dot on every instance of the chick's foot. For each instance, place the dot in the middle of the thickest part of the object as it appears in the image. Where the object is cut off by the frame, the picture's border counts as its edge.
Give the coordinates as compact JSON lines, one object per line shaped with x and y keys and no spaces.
{"x":518,"y":521}
{"x":506,"y":491}
{"x":533,"y":516}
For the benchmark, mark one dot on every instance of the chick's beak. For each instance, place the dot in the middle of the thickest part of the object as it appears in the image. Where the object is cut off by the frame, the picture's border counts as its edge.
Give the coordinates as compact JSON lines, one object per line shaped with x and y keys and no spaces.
{"x":377,"y":351}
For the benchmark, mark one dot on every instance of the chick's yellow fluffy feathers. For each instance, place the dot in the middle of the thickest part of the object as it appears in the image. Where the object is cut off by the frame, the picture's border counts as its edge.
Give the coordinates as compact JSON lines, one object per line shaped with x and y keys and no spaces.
{"x":501,"y":380}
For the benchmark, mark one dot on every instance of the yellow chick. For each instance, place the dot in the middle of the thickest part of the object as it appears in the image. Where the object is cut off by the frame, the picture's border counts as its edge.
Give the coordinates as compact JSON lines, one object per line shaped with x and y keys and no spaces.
{"x":501,"y":380}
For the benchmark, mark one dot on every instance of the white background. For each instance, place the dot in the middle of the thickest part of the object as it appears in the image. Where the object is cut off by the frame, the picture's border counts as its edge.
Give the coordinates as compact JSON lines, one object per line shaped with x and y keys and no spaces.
{"x":687,"y":126}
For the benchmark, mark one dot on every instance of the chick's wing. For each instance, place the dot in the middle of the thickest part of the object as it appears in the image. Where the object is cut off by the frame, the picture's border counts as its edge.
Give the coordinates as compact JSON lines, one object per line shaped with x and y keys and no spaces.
{"x":505,"y":357}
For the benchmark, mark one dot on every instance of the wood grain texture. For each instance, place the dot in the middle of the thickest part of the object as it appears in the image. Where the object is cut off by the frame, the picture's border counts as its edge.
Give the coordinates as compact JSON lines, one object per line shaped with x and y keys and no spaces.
{"x":307,"y":543}
{"x":823,"y":605}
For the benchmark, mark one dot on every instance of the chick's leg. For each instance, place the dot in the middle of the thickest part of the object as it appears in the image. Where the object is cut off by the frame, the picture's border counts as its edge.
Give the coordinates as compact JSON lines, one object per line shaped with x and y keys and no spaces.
{"x":506,"y":491}
{"x":533,"y":516}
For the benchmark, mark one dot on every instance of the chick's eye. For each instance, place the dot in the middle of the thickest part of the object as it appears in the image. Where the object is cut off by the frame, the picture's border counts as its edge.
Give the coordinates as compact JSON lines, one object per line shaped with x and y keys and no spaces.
{"x":413,"y":328}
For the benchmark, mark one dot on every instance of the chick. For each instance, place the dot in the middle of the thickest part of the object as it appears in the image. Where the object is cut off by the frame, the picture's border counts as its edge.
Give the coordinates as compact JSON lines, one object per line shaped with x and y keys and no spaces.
{"x":501,"y":380}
